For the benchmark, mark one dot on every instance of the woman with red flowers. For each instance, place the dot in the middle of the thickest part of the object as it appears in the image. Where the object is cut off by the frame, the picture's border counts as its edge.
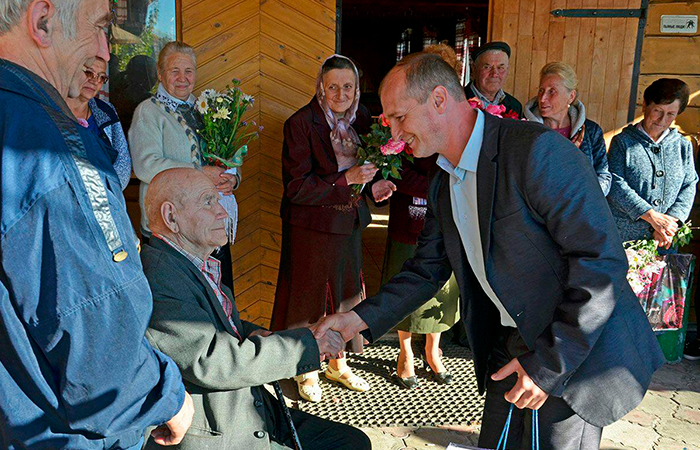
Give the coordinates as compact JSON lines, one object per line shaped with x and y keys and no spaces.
{"x":322,"y":217}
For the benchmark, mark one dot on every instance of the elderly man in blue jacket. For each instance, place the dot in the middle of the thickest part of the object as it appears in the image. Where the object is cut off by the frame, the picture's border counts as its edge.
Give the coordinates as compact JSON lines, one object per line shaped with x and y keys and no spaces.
{"x":76,"y":371}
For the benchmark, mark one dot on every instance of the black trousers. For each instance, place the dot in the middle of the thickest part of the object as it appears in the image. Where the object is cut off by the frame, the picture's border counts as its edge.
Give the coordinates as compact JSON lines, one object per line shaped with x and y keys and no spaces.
{"x":314,"y":433}
{"x":560,"y":428}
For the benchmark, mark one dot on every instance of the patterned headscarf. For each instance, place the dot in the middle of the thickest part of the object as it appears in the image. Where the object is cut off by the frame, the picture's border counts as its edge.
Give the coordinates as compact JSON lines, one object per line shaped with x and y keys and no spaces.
{"x":344,"y":138}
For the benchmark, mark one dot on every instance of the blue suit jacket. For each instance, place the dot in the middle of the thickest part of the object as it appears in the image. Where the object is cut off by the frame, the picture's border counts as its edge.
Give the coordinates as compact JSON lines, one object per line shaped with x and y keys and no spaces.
{"x":556,"y":262}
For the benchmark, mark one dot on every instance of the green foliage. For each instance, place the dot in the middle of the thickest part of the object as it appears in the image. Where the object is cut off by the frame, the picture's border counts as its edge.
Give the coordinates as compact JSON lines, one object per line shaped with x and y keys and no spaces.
{"x":225,"y":134}
{"x":683,"y":235}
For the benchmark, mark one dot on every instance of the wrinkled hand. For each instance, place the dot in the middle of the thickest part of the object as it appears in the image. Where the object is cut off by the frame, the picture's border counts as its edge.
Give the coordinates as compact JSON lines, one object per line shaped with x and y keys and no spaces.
{"x":360,"y":174}
{"x":348,"y":324}
{"x":663,"y":223}
{"x":262,"y":332}
{"x":172,"y":432}
{"x":578,"y":137}
{"x":525,"y":393}
{"x":663,"y":240}
{"x":382,"y":190}
{"x":330,"y":345}
{"x":224,"y":182}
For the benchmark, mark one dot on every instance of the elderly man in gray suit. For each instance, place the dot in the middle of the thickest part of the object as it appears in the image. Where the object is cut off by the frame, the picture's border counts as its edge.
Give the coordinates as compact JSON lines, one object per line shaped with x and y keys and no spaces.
{"x":224,"y":360}
{"x":517,"y":214}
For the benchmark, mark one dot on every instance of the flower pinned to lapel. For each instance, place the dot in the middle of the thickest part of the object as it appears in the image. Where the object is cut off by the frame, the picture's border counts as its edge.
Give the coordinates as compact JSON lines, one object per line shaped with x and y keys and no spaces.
{"x":392,"y":147}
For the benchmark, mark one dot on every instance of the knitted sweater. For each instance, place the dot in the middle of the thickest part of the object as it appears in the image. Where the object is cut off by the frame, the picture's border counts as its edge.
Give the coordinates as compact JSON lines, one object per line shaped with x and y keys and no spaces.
{"x":647,"y":175}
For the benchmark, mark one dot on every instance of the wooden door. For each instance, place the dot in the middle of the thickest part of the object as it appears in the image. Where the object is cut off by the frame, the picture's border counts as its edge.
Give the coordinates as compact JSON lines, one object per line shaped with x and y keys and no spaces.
{"x":601,"y":50}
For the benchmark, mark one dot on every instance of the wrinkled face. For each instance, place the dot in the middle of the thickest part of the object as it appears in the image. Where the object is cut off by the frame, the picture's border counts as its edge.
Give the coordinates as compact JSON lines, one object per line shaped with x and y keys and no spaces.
{"x":178,"y":75}
{"x":657,"y":118}
{"x":73,"y":55}
{"x":410,"y":121}
{"x":339,"y":89}
{"x":92,"y":85}
{"x":200,"y":216}
{"x":491,"y":71}
{"x":553,"y":97}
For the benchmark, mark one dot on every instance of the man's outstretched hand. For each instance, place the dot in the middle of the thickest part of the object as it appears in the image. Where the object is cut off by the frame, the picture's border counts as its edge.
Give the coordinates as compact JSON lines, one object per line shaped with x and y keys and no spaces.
{"x":172,"y":432}
{"x":525,"y":393}
{"x":348,"y":324}
{"x":330,"y":345}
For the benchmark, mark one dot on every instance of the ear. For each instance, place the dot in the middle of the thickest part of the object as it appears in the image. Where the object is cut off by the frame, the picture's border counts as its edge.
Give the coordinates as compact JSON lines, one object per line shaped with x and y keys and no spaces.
{"x":168,"y":212}
{"x":160,"y":78}
{"x":572,"y":96}
{"x":438,"y":98}
{"x":39,"y":15}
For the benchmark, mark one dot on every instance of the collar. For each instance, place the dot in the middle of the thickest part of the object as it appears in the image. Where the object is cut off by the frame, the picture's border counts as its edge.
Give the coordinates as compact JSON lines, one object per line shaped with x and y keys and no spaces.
{"x":469,"y":160}
{"x":194,"y":259}
{"x":666,"y":132}
{"x":173,"y":102}
{"x":500,"y":96}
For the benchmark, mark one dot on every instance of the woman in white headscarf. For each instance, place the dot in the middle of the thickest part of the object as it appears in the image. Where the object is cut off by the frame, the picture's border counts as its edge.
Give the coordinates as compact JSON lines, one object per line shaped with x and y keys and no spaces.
{"x":322,"y":218}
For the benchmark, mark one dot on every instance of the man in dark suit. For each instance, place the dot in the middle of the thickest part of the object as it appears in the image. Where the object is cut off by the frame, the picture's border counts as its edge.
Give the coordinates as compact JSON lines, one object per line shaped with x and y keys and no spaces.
{"x":516,"y":212}
{"x":489,"y":73}
{"x":224,"y":360}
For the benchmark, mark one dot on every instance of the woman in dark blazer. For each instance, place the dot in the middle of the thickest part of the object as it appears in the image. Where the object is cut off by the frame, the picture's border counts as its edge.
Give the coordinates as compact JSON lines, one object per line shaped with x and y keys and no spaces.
{"x":322,"y":218}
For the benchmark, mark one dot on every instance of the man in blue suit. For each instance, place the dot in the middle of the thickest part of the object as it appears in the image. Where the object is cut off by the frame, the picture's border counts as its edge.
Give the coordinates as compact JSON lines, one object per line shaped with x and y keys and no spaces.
{"x":516,"y":212}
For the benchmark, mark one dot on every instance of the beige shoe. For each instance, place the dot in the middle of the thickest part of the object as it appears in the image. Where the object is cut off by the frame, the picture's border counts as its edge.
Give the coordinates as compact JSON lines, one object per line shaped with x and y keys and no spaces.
{"x":309,"y":392}
{"x":353,"y":382}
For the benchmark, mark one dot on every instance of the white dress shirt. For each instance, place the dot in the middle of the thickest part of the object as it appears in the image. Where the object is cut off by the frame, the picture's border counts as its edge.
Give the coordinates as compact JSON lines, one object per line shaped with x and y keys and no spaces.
{"x":465,"y":212}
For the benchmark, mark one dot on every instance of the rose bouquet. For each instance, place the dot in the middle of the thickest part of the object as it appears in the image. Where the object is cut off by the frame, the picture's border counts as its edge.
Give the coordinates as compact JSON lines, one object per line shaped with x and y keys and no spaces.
{"x":225,"y":134}
{"x":380,"y":149}
{"x":494,"y":110}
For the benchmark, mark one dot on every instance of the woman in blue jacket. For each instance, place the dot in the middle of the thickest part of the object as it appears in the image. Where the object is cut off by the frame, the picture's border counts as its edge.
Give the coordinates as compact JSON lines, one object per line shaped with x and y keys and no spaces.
{"x":558,"y":107}
{"x":652,"y":166}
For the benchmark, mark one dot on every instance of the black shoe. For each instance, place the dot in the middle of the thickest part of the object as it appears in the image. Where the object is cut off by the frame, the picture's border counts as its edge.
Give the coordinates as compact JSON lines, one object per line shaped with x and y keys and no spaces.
{"x":692,"y":350}
{"x":441,"y":377}
{"x":408,"y":382}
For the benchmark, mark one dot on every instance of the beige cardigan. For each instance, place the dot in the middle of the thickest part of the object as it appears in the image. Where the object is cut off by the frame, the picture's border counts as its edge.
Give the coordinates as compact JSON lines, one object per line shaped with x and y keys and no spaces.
{"x":157,"y":142}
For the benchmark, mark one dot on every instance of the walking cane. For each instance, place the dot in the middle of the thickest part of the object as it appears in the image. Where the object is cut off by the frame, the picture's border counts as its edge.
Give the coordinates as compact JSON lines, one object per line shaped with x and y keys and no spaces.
{"x":287,"y":414}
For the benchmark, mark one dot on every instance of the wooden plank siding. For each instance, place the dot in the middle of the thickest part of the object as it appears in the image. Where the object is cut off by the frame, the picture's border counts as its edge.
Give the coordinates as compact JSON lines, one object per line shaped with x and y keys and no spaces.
{"x":672,"y":56}
{"x":601,"y":50}
{"x":276,"y":48}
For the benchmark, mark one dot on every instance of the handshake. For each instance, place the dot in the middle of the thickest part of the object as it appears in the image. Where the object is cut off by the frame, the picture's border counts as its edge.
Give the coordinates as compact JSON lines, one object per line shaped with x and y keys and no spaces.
{"x":332,"y":332}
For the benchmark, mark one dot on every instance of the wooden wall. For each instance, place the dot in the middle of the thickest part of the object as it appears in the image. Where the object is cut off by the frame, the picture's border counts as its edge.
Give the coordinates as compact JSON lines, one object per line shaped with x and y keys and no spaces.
{"x":601,"y":50}
{"x":276,"y":48}
{"x":672,"y":56}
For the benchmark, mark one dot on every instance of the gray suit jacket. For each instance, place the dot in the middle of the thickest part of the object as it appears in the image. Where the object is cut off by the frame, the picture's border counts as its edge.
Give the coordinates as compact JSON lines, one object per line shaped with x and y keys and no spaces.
{"x":222,"y":374}
{"x":556,"y":262}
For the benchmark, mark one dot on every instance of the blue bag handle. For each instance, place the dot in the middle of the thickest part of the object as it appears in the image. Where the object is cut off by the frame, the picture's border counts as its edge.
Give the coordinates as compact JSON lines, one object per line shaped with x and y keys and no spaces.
{"x":535,"y":431}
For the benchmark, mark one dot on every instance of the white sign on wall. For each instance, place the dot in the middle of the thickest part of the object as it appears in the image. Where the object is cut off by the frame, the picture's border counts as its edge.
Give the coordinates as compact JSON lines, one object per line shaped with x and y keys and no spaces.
{"x":679,"y":24}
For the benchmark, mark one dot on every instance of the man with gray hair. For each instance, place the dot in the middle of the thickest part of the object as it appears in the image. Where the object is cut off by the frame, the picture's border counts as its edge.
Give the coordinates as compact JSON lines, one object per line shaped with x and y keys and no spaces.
{"x":489,"y":73}
{"x":76,"y":371}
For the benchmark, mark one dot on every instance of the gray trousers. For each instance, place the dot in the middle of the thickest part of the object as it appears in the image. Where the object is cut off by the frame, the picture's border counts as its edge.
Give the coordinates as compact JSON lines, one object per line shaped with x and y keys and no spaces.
{"x":559,"y":426}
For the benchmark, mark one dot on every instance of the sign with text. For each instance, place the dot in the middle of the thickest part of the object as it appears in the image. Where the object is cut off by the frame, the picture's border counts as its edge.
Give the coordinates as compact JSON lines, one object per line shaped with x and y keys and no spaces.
{"x":679,"y":24}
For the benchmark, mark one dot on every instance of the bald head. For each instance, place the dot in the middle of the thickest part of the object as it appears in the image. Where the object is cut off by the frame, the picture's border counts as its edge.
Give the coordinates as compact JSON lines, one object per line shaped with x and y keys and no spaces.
{"x":183,"y":205}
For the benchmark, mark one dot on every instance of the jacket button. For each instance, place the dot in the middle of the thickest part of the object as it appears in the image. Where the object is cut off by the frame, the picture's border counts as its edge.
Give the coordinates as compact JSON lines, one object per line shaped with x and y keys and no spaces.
{"x":258,"y":403}
{"x":259,"y":434}
{"x":659,"y":173}
{"x":655,"y":150}
{"x":656,"y":202}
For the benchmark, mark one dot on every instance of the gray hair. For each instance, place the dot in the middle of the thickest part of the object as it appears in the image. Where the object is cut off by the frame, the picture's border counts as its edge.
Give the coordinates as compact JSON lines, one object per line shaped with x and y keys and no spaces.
{"x":175,"y":47}
{"x":11,"y":12}
{"x":426,"y":71}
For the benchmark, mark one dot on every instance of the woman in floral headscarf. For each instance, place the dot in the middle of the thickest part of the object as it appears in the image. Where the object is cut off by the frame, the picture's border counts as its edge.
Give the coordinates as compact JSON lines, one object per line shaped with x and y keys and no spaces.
{"x":322,"y":218}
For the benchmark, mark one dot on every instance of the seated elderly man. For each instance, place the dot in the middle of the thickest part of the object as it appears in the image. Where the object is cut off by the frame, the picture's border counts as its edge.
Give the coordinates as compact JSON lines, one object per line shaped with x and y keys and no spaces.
{"x":223,"y":359}
{"x":489,"y":73}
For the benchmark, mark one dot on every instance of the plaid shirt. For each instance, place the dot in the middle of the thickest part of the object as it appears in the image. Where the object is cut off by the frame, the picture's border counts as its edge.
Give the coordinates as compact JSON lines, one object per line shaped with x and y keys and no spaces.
{"x":211,"y":269}
{"x":500,"y":96}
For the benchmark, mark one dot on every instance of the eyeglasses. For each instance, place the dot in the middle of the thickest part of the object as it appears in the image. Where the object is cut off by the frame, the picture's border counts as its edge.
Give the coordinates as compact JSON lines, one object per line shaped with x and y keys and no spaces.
{"x":96,"y":77}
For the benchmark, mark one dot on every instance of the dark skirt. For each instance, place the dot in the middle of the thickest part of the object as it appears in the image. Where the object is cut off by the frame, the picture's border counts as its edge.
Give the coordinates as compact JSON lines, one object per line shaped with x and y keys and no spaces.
{"x":320,"y":274}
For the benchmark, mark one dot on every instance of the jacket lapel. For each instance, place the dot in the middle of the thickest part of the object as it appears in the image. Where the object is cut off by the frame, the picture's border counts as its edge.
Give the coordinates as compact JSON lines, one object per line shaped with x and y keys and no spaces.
{"x":211,"y":295}
{"x":486,"y":179}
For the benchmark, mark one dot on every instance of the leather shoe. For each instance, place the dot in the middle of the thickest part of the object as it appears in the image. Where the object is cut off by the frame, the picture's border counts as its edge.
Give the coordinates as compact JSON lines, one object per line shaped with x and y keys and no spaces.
{"x":408,"y":382}
{"x":442,"y":377}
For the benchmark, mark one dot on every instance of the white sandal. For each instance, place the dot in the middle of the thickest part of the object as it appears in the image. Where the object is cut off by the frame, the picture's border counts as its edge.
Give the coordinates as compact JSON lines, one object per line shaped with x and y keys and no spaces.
{"x":309,"y":392}
{"x":353,"y":382}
